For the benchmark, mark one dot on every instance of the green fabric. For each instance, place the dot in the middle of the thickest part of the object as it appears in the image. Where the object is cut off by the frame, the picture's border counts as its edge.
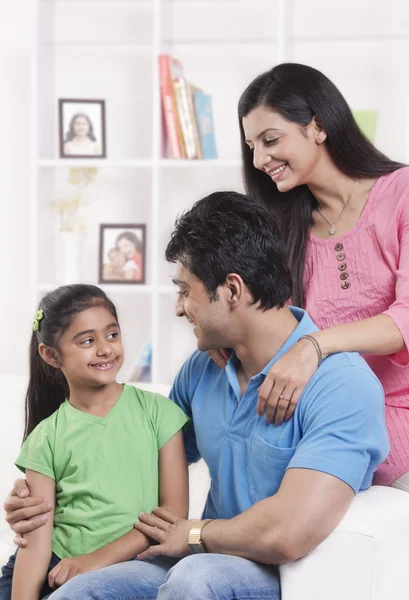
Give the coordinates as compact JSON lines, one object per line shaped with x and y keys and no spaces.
{"x":105,"y":468}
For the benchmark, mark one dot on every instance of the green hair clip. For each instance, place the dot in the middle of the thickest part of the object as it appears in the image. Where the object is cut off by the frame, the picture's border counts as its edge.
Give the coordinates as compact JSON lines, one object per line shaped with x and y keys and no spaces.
{"x":37,"y":318}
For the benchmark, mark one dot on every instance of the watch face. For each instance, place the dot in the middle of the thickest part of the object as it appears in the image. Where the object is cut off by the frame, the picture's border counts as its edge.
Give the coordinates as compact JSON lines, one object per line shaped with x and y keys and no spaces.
{"x":196,"y":548}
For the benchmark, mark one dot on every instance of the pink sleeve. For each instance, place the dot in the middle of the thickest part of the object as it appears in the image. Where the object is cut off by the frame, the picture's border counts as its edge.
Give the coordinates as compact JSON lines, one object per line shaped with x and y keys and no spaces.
{"x":399,"y":310}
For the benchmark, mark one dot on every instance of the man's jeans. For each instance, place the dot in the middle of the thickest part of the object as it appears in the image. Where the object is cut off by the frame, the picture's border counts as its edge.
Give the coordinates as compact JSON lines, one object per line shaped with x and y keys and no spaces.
{"x":197,"y":577}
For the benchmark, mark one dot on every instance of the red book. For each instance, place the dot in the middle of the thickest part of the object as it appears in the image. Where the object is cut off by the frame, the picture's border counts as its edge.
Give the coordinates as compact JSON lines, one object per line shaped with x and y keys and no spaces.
{"x":169,"y":67}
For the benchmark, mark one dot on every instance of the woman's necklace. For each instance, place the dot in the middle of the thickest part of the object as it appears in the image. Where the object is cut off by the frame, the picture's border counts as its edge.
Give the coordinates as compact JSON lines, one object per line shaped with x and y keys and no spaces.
{"x":332,"y":229}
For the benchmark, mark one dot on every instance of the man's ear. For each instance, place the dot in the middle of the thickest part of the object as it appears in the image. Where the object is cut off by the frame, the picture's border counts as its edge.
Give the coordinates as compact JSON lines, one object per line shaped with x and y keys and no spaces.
{"x":49,"y":355}
{"x":236,"y":289}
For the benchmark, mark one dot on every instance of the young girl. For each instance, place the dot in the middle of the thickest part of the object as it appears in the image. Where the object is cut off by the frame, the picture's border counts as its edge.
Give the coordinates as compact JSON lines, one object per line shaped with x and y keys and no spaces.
{"x":100,"y":451}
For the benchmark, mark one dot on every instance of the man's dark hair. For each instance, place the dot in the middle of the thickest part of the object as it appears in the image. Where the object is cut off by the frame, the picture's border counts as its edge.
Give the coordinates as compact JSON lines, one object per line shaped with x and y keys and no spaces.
{"x":228,"y":232}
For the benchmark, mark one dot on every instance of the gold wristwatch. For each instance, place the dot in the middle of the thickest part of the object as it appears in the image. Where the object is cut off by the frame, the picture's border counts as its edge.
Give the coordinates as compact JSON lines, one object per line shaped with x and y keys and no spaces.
{"x":195,"y":542}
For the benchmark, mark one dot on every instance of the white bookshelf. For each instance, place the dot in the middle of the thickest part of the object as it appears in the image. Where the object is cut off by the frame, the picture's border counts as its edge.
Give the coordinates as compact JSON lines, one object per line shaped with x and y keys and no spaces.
{"x":108,"y":49}
{"x":80,"y":43}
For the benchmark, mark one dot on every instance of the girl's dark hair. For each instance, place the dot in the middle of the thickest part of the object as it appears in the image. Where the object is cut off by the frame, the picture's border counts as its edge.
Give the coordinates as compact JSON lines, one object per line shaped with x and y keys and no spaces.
{"x":300,"y":93}
{"x":131,"y":237}
{"x":71,"y":133}
{"x":47,"y":387}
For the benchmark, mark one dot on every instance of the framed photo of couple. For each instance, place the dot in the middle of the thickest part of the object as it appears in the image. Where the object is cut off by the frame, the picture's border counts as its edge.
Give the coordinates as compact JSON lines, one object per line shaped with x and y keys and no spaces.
{"x":122,"y":253}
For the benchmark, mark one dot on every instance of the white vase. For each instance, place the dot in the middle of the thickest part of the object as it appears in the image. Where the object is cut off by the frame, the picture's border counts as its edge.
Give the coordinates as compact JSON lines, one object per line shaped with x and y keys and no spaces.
{"x":72,"y":243}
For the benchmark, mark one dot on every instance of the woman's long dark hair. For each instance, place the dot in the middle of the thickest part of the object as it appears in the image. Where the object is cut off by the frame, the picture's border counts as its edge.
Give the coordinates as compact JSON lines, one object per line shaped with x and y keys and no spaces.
{"x":47,"y":387}
{"x":300,"y":93}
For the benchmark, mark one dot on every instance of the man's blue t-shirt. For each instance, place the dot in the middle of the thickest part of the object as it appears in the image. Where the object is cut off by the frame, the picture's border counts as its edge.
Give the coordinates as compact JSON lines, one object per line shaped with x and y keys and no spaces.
{"x":338,"y":426}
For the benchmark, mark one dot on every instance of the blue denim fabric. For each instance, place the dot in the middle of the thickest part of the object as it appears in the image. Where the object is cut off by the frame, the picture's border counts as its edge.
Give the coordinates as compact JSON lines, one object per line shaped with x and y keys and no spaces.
{"x":197,"y":577}
{"x":7,"y":578}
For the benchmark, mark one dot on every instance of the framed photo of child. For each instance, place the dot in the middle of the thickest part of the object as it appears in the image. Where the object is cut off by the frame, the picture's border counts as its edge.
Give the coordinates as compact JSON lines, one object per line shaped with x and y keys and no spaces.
{"x":82,"y":128}
{"x":122,"y":253}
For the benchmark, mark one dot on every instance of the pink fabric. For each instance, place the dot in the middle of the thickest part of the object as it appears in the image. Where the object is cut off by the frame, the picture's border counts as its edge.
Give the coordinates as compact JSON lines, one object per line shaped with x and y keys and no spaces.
{"x":377,"y":262}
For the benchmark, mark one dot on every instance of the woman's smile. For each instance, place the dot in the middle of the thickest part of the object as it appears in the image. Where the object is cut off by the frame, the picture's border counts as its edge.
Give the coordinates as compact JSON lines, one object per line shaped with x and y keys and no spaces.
{"x":276,"y":172}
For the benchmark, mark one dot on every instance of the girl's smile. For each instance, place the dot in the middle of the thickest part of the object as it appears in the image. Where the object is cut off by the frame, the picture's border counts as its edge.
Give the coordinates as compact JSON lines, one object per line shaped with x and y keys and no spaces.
{"x":91,"y":348}
{"x":104,"y":366}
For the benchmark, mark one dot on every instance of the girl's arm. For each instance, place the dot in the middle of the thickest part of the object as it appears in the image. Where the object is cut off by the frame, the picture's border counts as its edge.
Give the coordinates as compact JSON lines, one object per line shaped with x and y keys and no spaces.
{"x":32,"y":563}
{"x":174,"y":496}
{"x":174,"y":477}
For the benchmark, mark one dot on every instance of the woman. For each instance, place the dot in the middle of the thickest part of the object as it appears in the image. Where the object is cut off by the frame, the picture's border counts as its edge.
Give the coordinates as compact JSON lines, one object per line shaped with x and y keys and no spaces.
{"x":344,"y":211}
{"x":130,"y":247}
{"x":80,"y":137}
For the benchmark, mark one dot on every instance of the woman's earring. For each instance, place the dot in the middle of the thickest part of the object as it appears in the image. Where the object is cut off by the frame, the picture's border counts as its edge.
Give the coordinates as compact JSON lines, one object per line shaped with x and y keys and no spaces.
{"x":318,"y":141}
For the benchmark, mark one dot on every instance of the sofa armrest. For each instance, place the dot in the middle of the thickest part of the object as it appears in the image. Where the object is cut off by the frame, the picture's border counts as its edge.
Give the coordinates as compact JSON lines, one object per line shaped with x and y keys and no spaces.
{"x":365,"y":558}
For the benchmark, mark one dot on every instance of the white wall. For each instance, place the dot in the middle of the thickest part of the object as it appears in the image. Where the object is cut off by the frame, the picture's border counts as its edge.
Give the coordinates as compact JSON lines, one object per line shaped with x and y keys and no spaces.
{"x":16,"y":31}
{"x":371,"y":74}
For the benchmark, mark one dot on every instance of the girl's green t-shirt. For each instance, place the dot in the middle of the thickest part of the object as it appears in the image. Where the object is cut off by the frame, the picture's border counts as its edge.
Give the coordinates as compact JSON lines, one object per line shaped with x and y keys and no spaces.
{"x":105,"y":468}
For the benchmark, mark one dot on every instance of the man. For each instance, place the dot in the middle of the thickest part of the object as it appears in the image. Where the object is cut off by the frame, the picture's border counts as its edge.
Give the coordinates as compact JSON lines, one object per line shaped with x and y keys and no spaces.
{"x":276,"y":491}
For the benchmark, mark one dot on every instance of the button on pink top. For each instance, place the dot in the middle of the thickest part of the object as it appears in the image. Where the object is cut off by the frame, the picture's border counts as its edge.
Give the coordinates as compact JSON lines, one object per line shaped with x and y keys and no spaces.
{"x":376,"y":258}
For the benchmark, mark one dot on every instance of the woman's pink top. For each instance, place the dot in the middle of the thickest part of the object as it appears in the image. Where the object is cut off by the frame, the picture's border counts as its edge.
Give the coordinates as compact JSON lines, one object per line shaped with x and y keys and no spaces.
{"x":364,"y":273}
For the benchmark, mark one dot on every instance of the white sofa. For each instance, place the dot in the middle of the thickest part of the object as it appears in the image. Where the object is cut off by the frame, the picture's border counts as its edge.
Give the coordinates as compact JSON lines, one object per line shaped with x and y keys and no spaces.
{"x":365,"y":558}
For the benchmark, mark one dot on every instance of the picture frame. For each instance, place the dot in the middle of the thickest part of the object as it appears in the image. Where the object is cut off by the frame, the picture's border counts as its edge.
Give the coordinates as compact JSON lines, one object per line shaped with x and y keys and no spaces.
{"x":81,"y":128}
{"x":122,"y":253}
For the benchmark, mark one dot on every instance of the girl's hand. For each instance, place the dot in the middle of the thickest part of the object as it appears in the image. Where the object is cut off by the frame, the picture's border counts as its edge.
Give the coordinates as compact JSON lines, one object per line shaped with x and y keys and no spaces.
{"x":279,"y":394}
{"x":220,"y":357}
{"x":68,"y":568}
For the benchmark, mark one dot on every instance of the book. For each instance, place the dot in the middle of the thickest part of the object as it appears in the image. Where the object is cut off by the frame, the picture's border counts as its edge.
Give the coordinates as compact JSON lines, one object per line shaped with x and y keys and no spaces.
{"x":192,"y":111}
{"x":169,"y":70}
{"x":187,"y":116}
{"x":142,"y":370}
{"x":205,"y":124}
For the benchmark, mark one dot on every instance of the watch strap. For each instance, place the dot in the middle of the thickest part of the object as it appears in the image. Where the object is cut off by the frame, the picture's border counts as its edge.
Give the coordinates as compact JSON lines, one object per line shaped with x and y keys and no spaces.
{"x":195,"y":541}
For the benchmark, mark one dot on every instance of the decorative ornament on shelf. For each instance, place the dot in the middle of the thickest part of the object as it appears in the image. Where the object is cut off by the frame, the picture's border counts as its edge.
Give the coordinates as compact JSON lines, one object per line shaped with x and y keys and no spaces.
{"x":71,"y":204}
{"x":77,"y":194}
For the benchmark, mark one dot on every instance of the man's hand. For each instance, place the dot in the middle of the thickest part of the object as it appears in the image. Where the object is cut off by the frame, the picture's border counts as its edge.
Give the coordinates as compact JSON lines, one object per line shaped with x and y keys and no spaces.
{"x":171,"y":532}
{"x":68,"y":568}
{"x":25,"y":513}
